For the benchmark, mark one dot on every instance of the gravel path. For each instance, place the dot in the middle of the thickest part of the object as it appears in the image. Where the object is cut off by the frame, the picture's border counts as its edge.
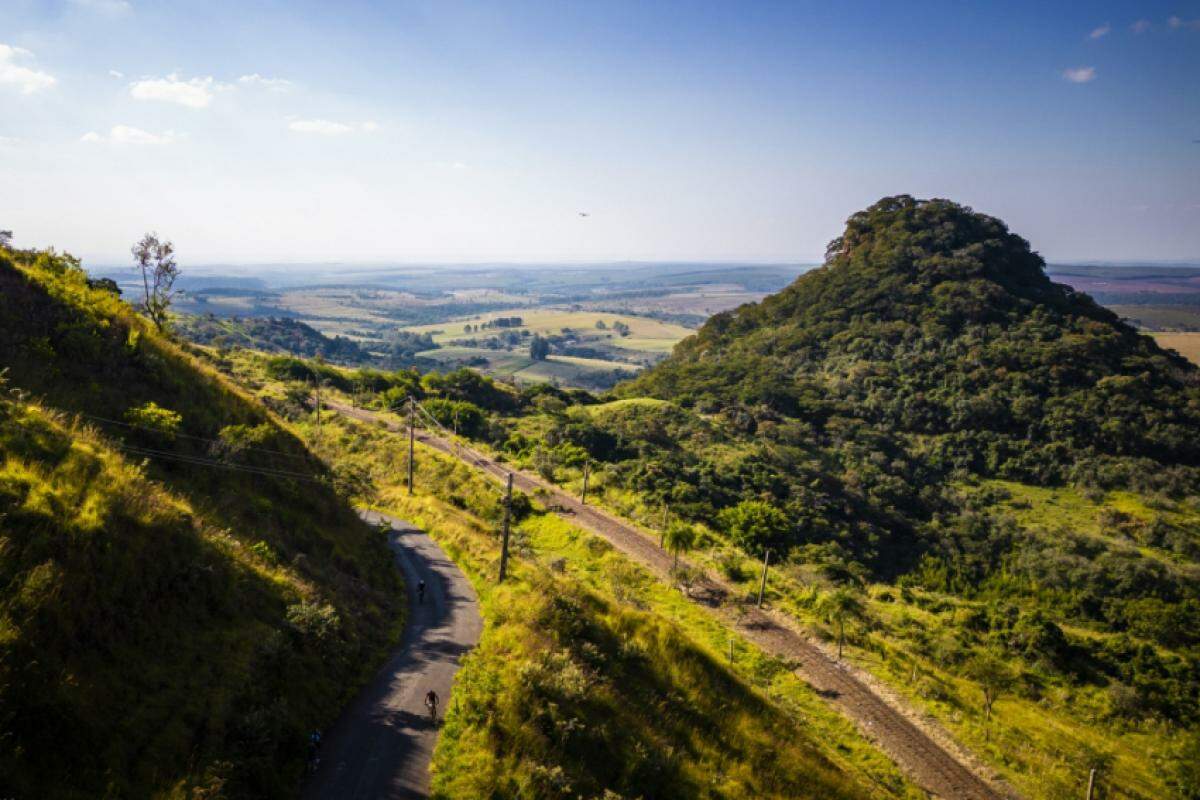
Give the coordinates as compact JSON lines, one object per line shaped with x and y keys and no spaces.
{"x":925,"y":755}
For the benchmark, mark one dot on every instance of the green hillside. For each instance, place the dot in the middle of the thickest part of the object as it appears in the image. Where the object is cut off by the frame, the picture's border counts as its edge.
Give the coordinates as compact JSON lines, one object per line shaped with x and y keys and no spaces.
{"x":1002,"y":476}
{"x":184,"y":595}
{"x":931,"y":320}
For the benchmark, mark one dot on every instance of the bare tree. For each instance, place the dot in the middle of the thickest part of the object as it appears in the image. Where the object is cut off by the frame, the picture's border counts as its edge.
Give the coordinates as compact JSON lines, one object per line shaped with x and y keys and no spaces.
{"x":156,"y":261}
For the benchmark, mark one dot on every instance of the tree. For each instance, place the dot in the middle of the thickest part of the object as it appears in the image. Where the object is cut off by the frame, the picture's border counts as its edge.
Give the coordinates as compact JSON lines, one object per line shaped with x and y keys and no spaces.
{"x":993,"y":675}
{"x":756,"y":526}
{"x":6,"y":239}
{"x":539,"y":348}
{"x":680,"y":537}
{"x":156,"y":261}
{"x":839,"y":606}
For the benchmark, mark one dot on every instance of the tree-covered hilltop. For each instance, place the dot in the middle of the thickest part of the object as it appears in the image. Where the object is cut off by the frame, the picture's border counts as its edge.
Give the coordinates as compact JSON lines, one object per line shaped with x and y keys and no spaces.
{"x":185,"y":593}
{"x":934,"y":321}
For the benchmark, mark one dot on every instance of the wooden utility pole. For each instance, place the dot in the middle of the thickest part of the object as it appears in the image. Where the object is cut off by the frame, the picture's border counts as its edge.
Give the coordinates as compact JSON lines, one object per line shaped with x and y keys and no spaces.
{"x":583,"y":494}
{"x":762,"y":586}
{"x":1091,"y":784}
{"x":412,"y":419}
{"x":318,"y":391}
{"x":504,"y":540}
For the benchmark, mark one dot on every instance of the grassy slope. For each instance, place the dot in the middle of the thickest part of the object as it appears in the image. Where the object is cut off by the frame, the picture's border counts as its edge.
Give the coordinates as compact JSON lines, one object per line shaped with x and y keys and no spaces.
{"x":595,"y":676}
{"x":161,"y":625}
{"x":1047,"y":730}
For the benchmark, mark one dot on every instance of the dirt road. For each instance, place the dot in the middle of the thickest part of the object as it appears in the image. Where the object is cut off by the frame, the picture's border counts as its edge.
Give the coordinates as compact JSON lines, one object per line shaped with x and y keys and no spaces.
{"x":382,"y":745}
{"x":923,"y":754}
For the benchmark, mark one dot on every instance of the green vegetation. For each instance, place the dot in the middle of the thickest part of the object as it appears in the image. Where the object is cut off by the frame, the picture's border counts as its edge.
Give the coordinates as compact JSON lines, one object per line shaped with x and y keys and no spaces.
{"x":183,"y":594}
{"x":593,"y":678}
{"x":996,"y":474}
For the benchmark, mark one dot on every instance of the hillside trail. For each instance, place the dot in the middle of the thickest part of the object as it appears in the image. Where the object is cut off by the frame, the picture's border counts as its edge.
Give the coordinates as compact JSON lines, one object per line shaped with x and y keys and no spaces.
{"x":920,"y":747}
{"x":382,"y":745}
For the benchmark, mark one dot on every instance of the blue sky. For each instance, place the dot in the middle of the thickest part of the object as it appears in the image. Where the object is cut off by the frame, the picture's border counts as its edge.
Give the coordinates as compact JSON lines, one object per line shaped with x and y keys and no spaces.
{"x":445,"y":131}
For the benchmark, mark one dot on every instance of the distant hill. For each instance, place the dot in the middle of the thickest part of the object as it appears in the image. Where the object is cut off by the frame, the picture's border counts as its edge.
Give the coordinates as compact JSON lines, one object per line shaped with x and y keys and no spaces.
{"x":931,"y":320}
{"x":185,"y":594}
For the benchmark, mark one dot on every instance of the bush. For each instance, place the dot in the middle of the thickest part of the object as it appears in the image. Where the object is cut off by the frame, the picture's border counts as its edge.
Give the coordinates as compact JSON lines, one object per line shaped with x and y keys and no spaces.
{"x":161,"y":422}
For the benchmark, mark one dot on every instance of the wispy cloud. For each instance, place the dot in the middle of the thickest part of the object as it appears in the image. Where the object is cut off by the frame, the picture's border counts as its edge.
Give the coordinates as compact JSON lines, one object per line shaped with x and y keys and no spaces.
{"x":270,"y":84}
{"x":127,"y":134}
{"x":111,"y":8}
{"x":1080,"y":74}
{"x":14,"y":71}
{"x":1101,"y":32}
{"x":116,"y":73}
{"x":324,"y":127}
{"x":1141,"y":26}
{"x":1179,"y":23}
{"x":194,"y":93}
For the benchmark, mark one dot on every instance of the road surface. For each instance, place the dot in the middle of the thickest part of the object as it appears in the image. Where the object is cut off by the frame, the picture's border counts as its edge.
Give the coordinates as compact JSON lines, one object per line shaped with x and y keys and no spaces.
{"x":927,"y":754}
{"x":382,"y":744}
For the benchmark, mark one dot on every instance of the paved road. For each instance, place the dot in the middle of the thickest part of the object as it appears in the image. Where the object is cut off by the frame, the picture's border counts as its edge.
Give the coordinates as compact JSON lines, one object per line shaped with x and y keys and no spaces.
{"x":382,"y":744}
{"x":927,"y":754}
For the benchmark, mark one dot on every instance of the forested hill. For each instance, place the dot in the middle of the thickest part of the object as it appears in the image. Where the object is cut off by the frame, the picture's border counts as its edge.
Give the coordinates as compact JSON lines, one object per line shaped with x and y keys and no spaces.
{"x":934,"y":322}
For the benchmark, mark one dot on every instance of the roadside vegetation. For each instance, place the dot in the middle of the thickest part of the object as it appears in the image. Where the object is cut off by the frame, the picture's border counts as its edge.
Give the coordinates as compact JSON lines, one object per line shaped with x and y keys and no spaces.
{"x":594,"y":678}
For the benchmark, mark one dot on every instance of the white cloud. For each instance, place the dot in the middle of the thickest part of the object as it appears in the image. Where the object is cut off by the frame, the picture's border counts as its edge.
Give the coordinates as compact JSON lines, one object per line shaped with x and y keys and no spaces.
{"x":14,"y":73}
{"x":127,"y":134}
{"x":9,"y":141}
{"x":116,"y":73}
{"x":325,"y":127}
{"x":196,"y":93}
{"x":1080,"y":74}
{"x":1141,"y":26}
{"x":1101,"y":32}
{"x":111,"y":8}
{"x":270,"y":84}
{"x":1178,"y":22}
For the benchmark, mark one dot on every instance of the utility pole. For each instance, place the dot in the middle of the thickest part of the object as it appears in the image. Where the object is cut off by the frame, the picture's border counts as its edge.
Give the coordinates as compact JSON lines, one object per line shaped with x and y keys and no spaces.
{"x":762,"y":586}
{"x":504,"y":540}
{"x":412,"y":414}
{"x":318,"y":391}
{"x":662,"y":533}
{"x":1091,"y":784}
{"x":583,"y":495}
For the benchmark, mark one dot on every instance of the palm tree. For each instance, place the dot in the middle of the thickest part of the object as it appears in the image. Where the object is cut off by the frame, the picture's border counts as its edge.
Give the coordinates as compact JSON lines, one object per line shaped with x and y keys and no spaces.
{"x":680,"y":537}
{"x":839,"y":606}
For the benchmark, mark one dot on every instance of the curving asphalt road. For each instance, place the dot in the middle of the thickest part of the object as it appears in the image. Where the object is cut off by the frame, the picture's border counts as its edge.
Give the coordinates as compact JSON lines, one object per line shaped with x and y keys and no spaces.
{"x":382,"y":744}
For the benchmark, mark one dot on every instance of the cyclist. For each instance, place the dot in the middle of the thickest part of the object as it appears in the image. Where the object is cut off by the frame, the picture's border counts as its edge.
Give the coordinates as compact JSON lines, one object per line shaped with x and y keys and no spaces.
{"x":431,"y":702}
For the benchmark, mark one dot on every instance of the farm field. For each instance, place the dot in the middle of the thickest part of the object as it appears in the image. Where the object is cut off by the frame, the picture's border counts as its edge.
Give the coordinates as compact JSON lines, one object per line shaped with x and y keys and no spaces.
{"x":1186,"y":344}
{"x":644,"y":333}
{"x":588,"y":348}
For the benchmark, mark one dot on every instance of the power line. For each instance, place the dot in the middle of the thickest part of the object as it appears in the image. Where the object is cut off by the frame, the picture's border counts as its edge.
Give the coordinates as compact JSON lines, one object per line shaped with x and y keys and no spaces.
{"x":188,"y":436}
{"x":207,"y":462}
